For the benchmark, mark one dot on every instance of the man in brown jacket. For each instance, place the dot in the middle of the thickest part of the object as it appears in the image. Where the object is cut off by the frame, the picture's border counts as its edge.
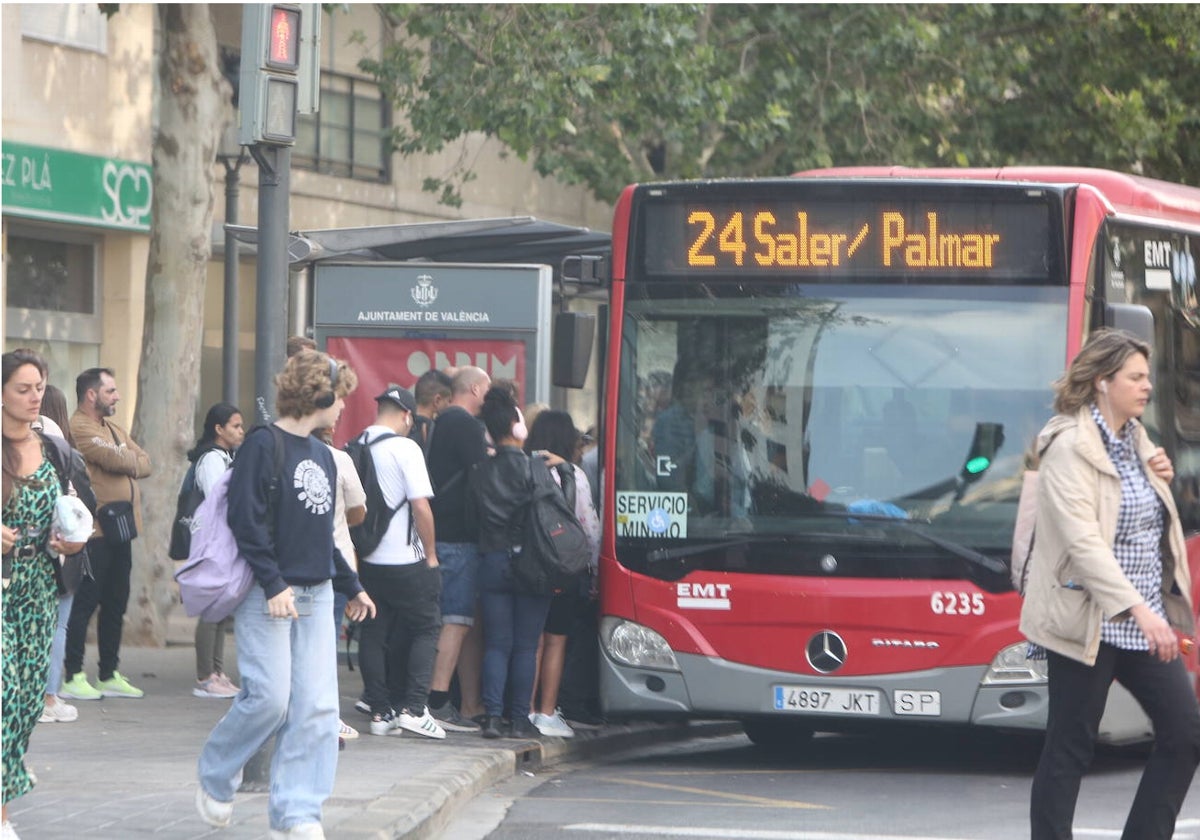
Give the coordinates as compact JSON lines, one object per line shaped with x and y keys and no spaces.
{"x":114,"y":461}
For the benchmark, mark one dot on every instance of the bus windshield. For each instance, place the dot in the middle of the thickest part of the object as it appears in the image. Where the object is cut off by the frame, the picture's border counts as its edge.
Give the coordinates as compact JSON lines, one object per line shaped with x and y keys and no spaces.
{"x":775,"y":411}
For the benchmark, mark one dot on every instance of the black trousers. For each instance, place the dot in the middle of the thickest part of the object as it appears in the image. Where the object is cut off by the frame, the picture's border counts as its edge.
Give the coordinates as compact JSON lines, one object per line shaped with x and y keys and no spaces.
{"x":579,"y":692}
{"x":108,"y":589}
{"x":397,"y":648}
{"x":1077,"y":697}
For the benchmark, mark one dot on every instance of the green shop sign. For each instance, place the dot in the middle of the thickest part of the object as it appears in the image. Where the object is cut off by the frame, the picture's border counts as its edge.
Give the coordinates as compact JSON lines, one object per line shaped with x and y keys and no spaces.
{"x":58,"y":186}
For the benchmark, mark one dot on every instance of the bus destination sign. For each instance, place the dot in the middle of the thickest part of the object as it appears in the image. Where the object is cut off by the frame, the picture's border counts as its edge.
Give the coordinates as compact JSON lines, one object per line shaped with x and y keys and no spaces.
{"x":996,"y":238}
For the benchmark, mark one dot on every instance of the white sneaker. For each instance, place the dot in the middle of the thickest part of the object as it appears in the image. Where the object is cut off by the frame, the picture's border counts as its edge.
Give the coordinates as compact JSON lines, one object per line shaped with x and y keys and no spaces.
{"x":383,"y":724}
{"x":7,"y":832}
{"x":56,"y":711}
{"x":304,"y":831}
{"x":216,"y":814}
{"x":552,"y":726}
{"x":422,"y":725}
{"x":347,"y":731}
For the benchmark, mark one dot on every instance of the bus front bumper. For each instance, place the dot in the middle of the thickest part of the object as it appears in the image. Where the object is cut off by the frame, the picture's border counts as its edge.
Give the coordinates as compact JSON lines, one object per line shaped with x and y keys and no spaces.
{"x":713,"y":687}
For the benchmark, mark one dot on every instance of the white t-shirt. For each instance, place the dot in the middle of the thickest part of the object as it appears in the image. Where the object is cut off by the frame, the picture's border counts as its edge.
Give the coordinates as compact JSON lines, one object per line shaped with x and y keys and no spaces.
{"x":400,"y":468}
{"x":210,"y":467}
{"x":350,"y":494}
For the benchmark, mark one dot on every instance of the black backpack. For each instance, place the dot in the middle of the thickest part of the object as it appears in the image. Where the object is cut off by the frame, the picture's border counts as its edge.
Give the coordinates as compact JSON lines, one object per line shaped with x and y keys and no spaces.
{"x":186,"y":504}
{"x":367,"y":535}
{"x":554,"y":549}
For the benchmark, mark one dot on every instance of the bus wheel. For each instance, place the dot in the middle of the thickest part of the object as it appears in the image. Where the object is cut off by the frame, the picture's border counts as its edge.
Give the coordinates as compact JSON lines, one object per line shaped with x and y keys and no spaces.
{"x":775,"y":734}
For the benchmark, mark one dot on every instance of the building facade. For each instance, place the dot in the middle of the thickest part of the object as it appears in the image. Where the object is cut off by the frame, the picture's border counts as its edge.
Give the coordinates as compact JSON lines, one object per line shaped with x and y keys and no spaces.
{"x":77,"y":128}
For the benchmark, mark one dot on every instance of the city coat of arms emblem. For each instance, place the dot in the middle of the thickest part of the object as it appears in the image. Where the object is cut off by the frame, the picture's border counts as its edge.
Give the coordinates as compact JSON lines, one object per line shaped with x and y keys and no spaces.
{"x":424,"y":293}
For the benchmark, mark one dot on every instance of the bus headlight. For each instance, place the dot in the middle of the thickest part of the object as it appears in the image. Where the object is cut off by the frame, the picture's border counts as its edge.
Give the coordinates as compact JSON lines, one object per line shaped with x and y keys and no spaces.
{"x":1011,"y":665}
{"x":633,"y":644}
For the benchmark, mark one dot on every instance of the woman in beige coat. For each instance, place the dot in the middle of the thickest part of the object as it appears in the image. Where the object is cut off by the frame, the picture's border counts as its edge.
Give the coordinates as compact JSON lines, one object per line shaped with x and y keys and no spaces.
{"x":1109,"y":592}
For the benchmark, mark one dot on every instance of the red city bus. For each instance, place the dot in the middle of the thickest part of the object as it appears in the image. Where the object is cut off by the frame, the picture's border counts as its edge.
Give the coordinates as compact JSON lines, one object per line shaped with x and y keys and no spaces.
{"x":819,"y":394}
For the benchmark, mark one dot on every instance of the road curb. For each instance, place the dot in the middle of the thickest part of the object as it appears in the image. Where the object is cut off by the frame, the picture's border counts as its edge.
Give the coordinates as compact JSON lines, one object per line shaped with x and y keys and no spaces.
{"x":458,"y":786}
{"x":390,"y":817}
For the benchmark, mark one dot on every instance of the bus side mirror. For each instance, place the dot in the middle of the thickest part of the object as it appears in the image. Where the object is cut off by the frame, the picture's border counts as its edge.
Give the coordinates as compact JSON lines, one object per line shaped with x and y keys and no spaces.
{"x":574,"y":334}
{"x":585,"y":269}
{"x":1133,"y":317}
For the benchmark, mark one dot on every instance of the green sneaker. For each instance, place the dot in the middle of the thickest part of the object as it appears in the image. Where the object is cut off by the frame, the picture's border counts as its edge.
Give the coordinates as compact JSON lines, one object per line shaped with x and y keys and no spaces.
{"x":118,"y":686}
{"x":78,"y":688}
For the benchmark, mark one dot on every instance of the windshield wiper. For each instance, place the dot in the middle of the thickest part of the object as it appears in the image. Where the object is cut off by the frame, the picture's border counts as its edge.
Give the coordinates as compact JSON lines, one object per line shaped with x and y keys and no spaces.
{"x":978,"y":559}
{"x":660,"y":555}
{"x":994,"y":577}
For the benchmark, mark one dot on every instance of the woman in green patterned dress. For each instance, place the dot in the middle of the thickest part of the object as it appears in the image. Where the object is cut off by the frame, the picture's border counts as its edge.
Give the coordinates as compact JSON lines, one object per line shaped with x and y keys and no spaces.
{"x":30,"y":604}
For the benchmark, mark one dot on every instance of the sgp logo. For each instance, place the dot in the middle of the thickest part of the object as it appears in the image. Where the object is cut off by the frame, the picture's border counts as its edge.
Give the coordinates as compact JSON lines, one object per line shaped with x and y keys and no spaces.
{"x":130,"y":194}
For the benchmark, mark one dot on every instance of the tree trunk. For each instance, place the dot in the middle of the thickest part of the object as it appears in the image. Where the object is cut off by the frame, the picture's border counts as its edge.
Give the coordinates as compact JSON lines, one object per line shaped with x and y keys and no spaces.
{"x":192,"y":102}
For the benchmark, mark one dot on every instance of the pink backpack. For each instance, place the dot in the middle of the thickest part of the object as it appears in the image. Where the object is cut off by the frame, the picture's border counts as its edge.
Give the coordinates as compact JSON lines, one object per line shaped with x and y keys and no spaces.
{"x":215,"y":578}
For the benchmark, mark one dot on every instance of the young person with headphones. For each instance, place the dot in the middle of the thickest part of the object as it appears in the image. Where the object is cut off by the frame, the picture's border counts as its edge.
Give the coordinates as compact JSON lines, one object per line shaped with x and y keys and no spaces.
{"x":284,"y":628}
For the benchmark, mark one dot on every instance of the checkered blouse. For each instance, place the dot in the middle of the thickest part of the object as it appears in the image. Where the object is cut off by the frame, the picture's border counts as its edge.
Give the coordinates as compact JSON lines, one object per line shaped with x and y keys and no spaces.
{"x":1137,"y":546}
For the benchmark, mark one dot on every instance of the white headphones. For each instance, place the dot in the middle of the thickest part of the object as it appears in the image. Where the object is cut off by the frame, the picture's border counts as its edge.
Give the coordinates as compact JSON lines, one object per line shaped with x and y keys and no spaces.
{"x":1103,"y":387}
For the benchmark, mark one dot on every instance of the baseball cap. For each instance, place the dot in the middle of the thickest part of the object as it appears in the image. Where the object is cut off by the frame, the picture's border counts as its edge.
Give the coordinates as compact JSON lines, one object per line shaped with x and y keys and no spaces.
{"x":401,"y":397}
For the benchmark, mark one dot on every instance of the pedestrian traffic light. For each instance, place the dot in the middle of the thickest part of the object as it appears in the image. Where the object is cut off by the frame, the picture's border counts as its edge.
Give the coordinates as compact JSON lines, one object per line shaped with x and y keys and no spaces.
{"x":283,"y":45}
{"x":269,"y":81}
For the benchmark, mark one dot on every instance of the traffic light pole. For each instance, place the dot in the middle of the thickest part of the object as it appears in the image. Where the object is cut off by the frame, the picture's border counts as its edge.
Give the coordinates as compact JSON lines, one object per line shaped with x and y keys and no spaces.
{"x":270,"y":334}
{"x":270,"y":339}
{"x":280,"y":43}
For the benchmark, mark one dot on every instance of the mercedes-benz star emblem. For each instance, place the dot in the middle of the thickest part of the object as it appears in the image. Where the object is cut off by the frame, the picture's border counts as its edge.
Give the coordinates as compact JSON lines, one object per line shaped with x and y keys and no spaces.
{"x":826,"y":651}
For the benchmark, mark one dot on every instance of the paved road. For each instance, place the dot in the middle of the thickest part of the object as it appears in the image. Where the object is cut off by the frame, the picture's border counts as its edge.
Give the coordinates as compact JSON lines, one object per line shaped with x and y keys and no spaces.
{"x":930,"y":787}
{"x":127,"y":768}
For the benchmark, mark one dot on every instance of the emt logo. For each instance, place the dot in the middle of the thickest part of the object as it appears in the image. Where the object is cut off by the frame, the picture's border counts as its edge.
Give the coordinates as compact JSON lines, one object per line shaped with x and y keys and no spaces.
{"x":702,"y":596}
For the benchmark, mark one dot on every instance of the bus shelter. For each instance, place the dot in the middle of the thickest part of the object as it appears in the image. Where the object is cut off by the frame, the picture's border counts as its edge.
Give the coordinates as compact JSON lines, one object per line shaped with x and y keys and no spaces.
{"x":397,"y":300}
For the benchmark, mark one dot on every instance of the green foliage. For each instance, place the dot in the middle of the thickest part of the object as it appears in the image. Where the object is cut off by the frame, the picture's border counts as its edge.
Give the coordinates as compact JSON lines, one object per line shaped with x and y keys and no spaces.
{"x":604,"y":95}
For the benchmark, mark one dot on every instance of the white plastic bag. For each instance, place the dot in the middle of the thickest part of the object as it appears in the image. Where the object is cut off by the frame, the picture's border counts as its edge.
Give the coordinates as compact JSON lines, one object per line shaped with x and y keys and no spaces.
{"x":72,"y":519}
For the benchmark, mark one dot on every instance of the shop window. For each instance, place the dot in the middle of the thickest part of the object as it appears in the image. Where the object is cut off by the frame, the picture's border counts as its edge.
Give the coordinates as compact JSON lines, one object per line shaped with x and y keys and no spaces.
{"x":347,"y":137}
{"x":52,"y":285}
{"x":51,"y":275}
{"x":80,"y":25}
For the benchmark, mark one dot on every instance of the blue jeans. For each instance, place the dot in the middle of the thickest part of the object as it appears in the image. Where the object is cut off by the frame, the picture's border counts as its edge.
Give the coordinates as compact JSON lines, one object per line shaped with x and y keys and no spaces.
{"x":512,"y":627}
{"x":59,"y":649}
{"x":339,"y":612}
{"x":289,"y":690}
{"x":459,"y":563}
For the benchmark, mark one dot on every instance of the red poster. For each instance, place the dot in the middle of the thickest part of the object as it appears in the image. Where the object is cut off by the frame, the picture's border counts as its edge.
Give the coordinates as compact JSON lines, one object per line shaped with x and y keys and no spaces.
{"x":381,"y":361}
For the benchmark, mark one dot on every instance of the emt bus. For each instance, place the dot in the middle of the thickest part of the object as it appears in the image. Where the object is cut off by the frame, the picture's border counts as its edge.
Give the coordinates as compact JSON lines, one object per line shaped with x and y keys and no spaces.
{"x":820,"y":391}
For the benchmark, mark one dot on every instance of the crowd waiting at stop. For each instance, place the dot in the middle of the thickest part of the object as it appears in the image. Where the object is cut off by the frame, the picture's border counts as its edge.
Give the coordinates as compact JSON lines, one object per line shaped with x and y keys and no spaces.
{"x":448,"y":641}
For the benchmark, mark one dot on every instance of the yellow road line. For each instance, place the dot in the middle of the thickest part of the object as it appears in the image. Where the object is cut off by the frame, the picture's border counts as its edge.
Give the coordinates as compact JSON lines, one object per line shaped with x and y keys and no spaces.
{"x":670,"y":802}
{"x":736,"y":797}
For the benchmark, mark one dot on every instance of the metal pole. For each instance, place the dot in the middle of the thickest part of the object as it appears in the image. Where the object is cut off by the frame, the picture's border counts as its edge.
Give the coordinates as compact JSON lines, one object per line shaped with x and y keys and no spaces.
{"x":229,"y":343}
{"x":270,"y":337}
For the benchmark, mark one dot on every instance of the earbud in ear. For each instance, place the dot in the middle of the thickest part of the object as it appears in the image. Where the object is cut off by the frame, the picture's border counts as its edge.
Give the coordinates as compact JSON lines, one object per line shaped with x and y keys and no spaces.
{"x":1103,"y":387}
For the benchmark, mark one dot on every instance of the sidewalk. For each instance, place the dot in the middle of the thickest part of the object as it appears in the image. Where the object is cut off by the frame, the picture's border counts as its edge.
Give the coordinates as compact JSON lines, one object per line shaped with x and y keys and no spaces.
{"x":127,"y":768}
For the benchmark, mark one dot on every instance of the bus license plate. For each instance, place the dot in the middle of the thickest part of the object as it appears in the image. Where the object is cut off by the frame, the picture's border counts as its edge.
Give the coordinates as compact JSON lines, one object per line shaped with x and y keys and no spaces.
{"x":826,"y":701}
{"x":923,"y":703}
